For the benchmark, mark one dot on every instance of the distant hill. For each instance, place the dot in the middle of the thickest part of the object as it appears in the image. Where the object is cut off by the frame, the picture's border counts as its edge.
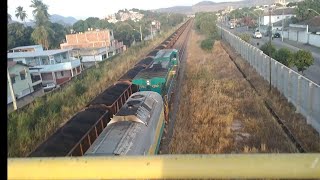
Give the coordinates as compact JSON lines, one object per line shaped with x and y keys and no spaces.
{"x":177,"y":9}
{"x":55,"y":18}
{"x":215,"y":6}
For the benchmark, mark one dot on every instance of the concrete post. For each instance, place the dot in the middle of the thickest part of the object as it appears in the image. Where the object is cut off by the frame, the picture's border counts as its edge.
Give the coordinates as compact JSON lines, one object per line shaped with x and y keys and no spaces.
{"x":298,"y":103}
{"x":310,"y":100}
{"x":281,"y":82}
{"x":289,"y":86}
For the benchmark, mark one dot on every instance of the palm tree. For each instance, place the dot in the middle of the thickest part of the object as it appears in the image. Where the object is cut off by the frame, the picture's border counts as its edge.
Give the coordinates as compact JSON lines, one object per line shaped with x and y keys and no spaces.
{"x":42,"y":30}
{"x":20,"y":13}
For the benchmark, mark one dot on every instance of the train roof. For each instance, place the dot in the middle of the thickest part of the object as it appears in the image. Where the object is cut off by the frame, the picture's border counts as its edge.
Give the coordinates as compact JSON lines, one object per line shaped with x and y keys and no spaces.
{"x":129,"y":132}
{"x":164,"y":53}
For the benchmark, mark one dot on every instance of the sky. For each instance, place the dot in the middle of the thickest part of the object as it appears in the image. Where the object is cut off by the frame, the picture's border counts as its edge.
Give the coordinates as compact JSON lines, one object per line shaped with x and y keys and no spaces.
{"x":81,"y":9}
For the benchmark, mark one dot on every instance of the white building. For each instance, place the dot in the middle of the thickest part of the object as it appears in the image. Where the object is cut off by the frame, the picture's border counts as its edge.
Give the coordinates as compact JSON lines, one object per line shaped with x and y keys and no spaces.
{"x":54,"y":66}
{"x":21,"y":80}
{"x":278,"y":15}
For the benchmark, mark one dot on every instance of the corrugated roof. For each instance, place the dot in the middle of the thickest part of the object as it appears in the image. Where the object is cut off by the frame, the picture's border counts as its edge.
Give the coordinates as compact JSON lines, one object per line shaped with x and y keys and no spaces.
{"x":25,"y":47}
{"x":13,"y":63}
{"x":36,"y":53}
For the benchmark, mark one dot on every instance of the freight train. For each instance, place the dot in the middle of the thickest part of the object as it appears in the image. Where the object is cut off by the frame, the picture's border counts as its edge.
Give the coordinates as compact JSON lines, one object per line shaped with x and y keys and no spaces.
{"x":80,"y":132}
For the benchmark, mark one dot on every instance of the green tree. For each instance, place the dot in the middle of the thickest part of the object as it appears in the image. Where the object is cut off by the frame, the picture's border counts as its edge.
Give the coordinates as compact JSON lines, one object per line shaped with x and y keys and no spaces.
{"x":58,"y":35}
{"x":302,"y":59}
{"x":303,"y":6}
{"x":20,"y":13}
{"x":80,"y":26}
{"x":283,"y":55}
{"x":42,"y":31}
{"x":268,"y":48}
{"x":19,"y":35}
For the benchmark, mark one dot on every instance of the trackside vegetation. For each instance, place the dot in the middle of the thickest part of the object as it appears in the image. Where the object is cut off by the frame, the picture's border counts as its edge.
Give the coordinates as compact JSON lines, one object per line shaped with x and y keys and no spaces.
{"x":301,"y":59}
{"x":30,"y":126}
{"x":205,"y":24}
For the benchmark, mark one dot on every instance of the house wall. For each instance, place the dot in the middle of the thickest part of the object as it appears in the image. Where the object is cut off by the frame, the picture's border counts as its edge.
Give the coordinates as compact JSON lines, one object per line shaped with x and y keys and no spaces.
{"x":87,"y":39}
{"x":20,"y":87}
{"x":275,"y":18}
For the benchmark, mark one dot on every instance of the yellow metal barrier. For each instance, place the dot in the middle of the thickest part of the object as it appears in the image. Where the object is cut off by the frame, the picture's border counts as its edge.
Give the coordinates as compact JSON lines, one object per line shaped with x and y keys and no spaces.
{"x":297,"y":166}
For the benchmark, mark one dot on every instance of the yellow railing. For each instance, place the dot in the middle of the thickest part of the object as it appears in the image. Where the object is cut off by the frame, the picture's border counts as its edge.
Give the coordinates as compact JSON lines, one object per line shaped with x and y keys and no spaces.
{"x":296,"y":166}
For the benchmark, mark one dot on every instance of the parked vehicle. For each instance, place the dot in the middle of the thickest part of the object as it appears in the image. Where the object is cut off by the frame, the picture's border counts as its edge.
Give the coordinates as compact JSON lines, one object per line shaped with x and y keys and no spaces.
{"x":49,"y":87}
{"x":277,"y":35}
{"x":257,"y":35}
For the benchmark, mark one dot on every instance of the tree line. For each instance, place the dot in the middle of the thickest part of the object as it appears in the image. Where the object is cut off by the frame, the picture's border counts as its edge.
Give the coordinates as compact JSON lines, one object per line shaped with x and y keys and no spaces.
{"x":301,"y":59}
{"x":51,"y":35}
{"x":205,"y":23}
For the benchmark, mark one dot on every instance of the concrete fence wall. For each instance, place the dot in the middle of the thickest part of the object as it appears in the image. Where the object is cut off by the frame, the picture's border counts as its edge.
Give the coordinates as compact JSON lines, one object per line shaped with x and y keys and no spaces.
{"x":302,"y":37}
{"x":314,"y":40}
{"x":300,"y":91}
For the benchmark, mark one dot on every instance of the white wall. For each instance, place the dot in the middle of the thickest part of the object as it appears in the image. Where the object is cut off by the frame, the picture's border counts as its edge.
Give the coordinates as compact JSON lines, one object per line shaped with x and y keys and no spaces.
{"x":300,"y":91}
{"x":314,"y":40}
{"x":275,"y":18}
{"x":303,"y":37}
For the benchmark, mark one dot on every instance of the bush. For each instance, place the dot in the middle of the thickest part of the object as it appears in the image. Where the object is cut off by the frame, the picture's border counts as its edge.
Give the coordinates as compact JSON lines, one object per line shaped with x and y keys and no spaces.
{"x":267,"y":47}
{"x":245,"y":37}
{"x":302,"y":59}
{"x":283,"y":55}
{"x":207,"y":44}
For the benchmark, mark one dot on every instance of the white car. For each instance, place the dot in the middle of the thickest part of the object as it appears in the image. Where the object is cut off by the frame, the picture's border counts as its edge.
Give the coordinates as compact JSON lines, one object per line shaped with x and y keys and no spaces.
{"x":49,"y":87}
{"x":231,"y":27}
{"x":257,"y":35}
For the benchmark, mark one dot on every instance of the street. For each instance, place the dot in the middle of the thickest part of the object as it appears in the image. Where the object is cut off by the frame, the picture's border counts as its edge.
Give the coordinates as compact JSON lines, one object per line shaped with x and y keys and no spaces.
{"x":312,"y":73}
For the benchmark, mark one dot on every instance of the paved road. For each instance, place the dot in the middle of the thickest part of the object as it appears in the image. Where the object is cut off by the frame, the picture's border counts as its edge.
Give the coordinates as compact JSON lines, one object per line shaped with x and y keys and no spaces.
{"x":313,"y":72}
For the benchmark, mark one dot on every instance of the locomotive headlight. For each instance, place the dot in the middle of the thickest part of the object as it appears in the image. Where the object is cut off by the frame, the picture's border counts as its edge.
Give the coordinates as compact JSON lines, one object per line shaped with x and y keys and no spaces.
{"x":148,"y":82}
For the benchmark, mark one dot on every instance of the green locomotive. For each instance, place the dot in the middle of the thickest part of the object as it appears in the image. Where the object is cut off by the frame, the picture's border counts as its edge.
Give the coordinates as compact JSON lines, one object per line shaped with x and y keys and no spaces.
{"x":160,"y":76}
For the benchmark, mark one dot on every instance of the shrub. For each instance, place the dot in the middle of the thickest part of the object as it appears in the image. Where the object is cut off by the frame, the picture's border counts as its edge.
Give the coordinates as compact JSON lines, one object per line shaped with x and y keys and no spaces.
{"x":283,"y":55}
{"x":207,"y":44}
{"x":267,"y":47}
{"x":245,"y":37}
{"x":302,"y":59}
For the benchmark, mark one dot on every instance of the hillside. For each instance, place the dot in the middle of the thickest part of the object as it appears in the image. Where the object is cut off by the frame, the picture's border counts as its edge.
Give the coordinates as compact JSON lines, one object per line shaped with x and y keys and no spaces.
{"x":55,"y":18}
{"x":213,"y":6}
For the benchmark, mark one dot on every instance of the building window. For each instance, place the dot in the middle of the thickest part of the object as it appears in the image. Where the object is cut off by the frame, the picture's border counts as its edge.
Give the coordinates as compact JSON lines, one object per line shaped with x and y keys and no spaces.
{"x":13,"y":80}
{"x":22,"y":76}
{"x":62,"y":73}
{"x":64,"y":56}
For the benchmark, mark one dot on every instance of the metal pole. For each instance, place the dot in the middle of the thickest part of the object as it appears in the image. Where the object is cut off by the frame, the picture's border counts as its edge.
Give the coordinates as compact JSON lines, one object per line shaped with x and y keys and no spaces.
{"x":12,"y":92}
{"x":141,"y":33}
{"x":151,"y":31}
{"x":270,"y":53}
{"x":282,"y":24}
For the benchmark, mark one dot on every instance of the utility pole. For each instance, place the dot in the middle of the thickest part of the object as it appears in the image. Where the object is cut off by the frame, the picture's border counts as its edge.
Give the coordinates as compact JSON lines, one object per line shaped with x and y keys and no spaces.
{"x":270,"y":36}
{"x":140,"y":33}
{"x":13,"y":97}
{"x":151,"y":31}
{"x":282,"y":20}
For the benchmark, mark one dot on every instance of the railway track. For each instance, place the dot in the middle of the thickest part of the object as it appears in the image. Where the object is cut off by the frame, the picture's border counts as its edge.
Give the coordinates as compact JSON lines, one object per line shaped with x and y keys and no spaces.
{"x":78,"y":134}
{"x":174,"y":104}
{"x":279,"y":121}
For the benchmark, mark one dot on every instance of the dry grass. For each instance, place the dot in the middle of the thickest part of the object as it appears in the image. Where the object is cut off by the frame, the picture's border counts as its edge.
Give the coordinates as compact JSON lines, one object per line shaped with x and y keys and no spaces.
{"x":219,"y":112}
{"x":305,"y":134}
